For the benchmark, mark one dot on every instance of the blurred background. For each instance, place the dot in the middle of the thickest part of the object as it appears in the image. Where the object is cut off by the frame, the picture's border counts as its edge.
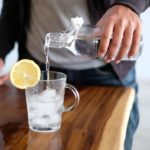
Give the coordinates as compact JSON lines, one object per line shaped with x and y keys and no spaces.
{"x":142,"y":136}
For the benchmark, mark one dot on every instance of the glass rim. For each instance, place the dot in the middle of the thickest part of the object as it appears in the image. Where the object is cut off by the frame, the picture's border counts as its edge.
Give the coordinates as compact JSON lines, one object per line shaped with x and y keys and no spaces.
{"x":62,"y":75}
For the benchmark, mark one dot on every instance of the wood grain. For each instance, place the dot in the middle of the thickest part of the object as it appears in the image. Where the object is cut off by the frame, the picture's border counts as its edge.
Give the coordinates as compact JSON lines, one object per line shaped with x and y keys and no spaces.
{"x":99,"y":122}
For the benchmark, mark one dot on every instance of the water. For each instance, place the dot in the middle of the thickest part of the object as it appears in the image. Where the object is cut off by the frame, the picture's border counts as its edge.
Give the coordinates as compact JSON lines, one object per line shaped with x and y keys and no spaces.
{"x":44,"y":110}
{"x":86,"y":46}
{"x":56,"y":40}
{"x":61,"y":40}
{"x":47,"y":63}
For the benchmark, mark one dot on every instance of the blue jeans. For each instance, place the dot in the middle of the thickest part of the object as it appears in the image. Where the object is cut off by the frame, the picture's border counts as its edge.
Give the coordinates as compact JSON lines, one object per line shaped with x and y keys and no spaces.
{"x":107,"y":77}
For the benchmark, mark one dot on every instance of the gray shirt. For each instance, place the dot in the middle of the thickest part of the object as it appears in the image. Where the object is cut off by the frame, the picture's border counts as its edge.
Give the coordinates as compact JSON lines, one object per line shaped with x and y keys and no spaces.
{"x":54,"y":16}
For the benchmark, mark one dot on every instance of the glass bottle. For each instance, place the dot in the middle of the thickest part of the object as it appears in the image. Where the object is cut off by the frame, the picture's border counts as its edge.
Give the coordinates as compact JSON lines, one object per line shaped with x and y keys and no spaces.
{"x":83,"y":43}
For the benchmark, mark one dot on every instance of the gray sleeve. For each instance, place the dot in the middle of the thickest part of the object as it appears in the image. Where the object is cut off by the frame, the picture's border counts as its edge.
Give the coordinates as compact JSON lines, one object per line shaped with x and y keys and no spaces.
{"x":137,"y":5}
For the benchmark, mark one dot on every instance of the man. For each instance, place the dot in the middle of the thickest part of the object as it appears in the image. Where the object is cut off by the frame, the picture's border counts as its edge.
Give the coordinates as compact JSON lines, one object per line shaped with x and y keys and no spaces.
{"x":27,"y":22}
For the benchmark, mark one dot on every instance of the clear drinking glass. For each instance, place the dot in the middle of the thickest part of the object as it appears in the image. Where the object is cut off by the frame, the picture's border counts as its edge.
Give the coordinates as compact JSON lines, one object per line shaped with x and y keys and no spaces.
{"x":45,"y":102}
{"x":83,"y":43}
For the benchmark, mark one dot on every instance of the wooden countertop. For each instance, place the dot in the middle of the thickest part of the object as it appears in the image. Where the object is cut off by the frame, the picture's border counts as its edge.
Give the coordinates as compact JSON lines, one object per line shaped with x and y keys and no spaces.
{"x":99,"y":122}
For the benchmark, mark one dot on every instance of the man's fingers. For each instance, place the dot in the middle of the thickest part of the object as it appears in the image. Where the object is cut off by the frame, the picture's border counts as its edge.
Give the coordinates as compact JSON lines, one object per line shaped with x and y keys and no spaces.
{"x":1,"y":63}
{"x":105,"y":40}
{"x":126,"y":43}
{"x":112,"y":22}
{"x":135,"y":43}
{"x":3,"y":79}
{"x":115,"y":42}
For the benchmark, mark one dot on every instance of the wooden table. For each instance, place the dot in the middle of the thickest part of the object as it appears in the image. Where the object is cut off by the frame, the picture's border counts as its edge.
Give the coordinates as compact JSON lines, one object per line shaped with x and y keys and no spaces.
{"x":99,"y":122}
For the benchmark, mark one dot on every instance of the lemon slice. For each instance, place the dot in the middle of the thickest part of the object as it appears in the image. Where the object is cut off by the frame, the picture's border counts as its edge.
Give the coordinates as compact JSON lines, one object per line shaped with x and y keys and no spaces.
{"x":25,"y":73}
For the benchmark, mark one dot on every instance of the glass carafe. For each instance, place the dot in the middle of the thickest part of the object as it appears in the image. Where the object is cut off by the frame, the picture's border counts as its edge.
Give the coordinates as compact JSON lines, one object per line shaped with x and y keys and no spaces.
{"x":83,"y":43}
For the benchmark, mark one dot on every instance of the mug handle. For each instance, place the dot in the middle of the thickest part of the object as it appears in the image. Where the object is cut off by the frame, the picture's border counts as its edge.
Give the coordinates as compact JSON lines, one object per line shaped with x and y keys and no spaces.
{"x":77,"y":98}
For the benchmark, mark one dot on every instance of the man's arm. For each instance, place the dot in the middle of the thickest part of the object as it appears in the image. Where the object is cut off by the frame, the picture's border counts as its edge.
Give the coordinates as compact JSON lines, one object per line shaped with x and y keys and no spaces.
{"x":8,"y":30}
{"x":8,"y":26}
{"x":3,"y":78}
{"x":122,"y":23}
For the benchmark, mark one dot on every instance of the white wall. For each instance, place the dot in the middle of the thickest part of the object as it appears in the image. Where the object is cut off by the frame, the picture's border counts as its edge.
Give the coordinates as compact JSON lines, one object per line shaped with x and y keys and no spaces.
{"x":143,"y":67}
{"x":0,"y":4}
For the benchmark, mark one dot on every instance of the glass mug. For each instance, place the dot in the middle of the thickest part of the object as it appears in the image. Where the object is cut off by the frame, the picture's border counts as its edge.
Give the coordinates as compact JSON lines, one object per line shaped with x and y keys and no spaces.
{"x":84,"y":43}
{"x":45,"y":102}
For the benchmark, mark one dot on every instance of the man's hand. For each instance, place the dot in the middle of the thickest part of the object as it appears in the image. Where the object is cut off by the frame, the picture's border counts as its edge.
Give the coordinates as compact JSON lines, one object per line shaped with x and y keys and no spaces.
{"x":123,"y":25}
{"x":4,"y":77}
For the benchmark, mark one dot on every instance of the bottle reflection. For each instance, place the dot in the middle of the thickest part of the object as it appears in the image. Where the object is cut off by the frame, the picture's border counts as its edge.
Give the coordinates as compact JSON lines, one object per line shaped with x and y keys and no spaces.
{"x":44,"y":141}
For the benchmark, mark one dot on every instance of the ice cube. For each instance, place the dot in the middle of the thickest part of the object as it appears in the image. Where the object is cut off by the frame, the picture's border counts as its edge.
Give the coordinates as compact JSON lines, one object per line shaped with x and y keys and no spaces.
{"x":56,"y":118}
{"x":40,"y":122}
{"x":35,"y":104}
{"x":50,"y":109}
{"x":49,"y":95}
{"x":31,"y":98}
{"x":35,"y":114}
{"x":59,"y":106}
